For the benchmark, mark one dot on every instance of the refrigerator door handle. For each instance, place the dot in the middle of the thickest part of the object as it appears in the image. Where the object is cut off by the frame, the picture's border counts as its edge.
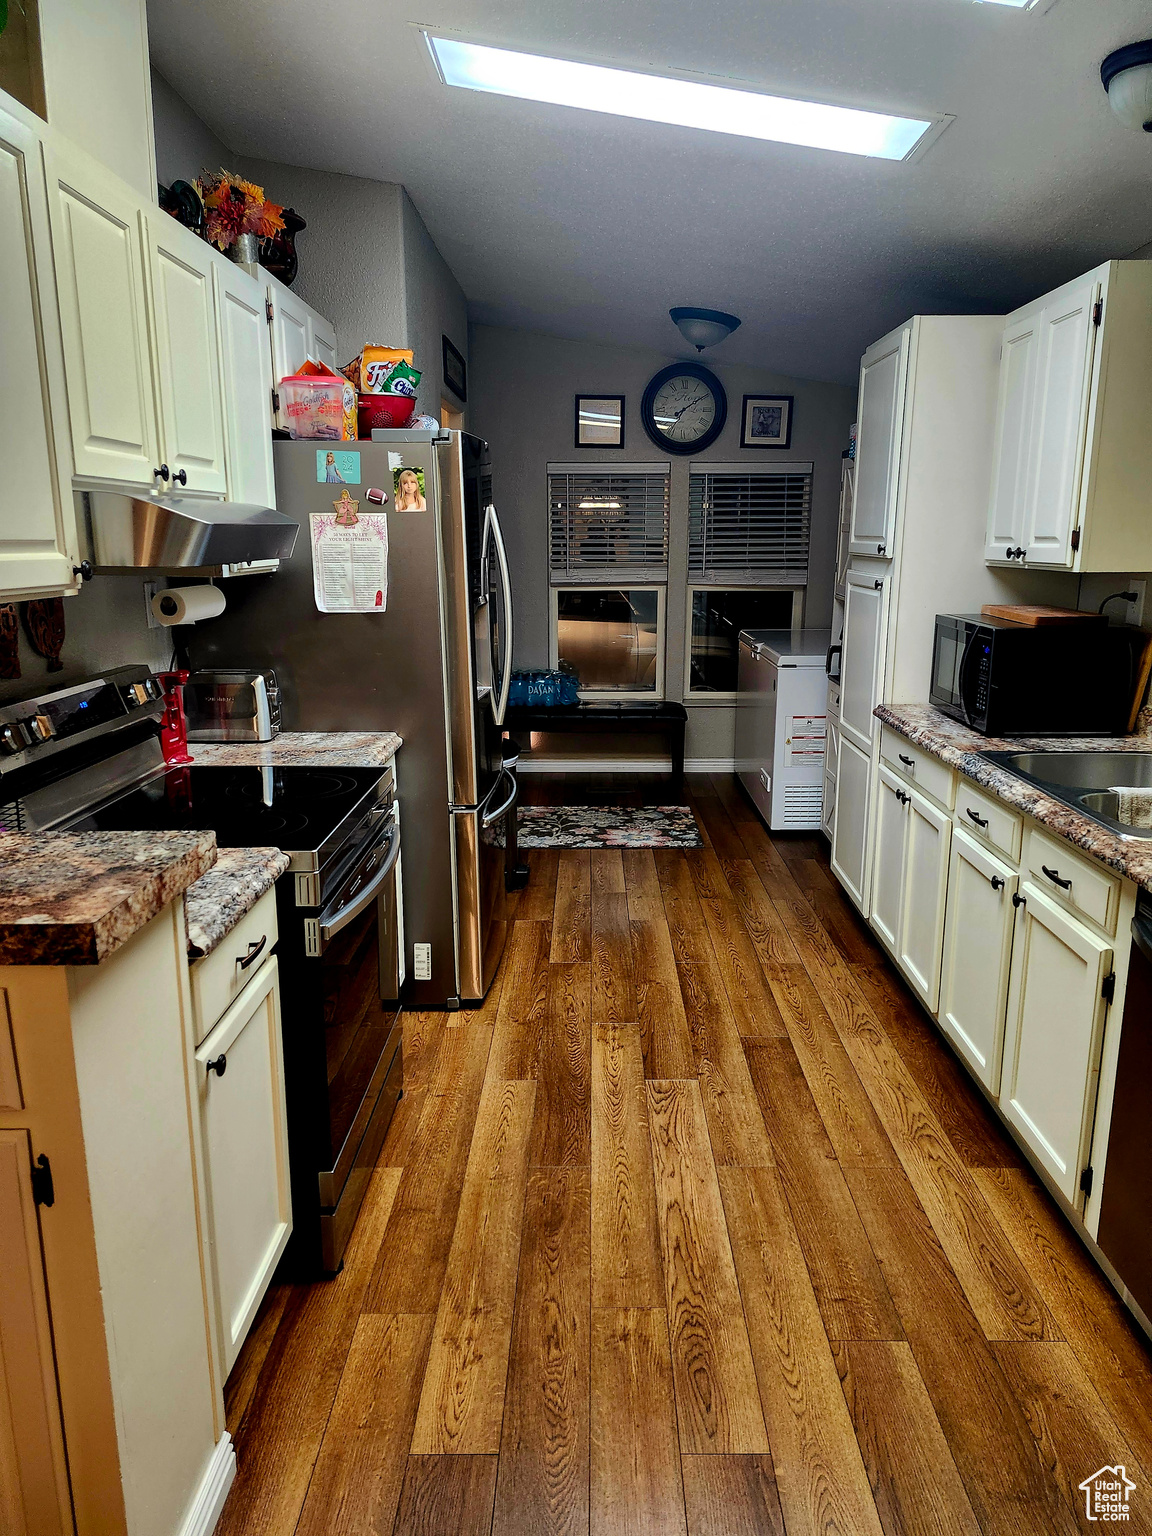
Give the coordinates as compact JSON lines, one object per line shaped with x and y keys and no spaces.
{"x":492,"y":533}
{"x":490,"y":816}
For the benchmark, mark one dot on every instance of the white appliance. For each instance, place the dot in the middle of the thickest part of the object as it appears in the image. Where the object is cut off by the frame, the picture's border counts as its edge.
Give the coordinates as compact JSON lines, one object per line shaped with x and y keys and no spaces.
{"x":782,"y":724}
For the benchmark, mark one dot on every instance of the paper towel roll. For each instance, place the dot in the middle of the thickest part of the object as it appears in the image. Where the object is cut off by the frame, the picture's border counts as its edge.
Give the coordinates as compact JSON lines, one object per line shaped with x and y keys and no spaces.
{"x":187,"y":605}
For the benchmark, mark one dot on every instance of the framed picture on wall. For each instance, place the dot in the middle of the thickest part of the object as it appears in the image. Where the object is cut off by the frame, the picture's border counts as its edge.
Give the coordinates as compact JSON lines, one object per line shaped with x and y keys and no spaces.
{"x":455,"y":371}
{"x":767,"y":421}
{"x":599,"y":421}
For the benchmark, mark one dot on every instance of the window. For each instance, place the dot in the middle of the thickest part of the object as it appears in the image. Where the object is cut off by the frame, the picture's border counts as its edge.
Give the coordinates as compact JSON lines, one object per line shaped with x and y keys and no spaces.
{"x":612,"y":638}
{"x":749,"y":526}
{"x":716,"y":618}
{"x":608,"y":523}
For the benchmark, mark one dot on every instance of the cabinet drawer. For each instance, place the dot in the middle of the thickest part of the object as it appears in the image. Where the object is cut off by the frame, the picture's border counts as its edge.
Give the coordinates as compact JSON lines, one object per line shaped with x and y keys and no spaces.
{"x":1071,"y":880}
{"x":928,"y":773}
{"x":220,"y":977}
{"x":987,"y":819}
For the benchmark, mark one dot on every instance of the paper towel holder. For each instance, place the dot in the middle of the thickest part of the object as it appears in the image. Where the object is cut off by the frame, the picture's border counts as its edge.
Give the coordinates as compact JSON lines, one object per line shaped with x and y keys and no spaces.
{"x":187,"y":605}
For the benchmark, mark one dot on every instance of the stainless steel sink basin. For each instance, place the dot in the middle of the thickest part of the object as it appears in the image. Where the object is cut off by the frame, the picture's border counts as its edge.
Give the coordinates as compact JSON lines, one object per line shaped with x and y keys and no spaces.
{"x":1088,"y":782}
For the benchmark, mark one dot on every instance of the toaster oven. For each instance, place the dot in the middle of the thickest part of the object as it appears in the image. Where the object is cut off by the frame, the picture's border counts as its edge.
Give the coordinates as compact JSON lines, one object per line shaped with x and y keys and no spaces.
{"x":232,"y":706}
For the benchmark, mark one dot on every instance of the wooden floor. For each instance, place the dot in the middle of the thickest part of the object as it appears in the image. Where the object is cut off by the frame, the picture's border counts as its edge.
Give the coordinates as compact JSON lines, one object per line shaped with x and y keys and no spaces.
{"x":695,"y":1227}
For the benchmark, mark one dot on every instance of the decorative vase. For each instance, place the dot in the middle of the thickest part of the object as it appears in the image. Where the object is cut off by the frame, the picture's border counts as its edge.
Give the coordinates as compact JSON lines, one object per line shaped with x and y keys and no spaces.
{"x":245,"y":248}
{"x":278,"y":254}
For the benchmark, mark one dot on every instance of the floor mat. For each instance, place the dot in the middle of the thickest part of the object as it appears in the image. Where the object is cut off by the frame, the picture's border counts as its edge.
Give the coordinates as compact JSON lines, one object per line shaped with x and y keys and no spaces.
{"x":607,"y":826}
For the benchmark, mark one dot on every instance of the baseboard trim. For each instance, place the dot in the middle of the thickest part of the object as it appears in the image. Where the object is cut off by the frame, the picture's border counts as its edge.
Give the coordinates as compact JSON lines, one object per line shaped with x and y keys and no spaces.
{"x":622,"y":765}
{"x":206,"y":1507}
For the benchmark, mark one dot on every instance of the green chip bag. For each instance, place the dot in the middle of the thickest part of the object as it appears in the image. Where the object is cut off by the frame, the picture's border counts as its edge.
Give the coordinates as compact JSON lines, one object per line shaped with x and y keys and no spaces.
{"x":403,"y":380}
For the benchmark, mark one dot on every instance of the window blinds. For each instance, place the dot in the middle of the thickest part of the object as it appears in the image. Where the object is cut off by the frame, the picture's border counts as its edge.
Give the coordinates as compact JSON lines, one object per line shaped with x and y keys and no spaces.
{"x":607,"y":523}
{"x":749,"y":525}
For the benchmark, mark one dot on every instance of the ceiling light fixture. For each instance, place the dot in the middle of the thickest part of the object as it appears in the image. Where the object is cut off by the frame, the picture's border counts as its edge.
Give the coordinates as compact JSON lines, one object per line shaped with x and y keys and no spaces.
{"x":687,"y":103}
{"x":1039,"y":6}
{"x":703,"y":327}
{"x":1127,"y":77}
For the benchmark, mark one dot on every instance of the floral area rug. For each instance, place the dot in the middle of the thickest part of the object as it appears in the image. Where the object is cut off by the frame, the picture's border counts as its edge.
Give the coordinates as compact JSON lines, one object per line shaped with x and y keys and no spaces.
{"x":607,"y":826}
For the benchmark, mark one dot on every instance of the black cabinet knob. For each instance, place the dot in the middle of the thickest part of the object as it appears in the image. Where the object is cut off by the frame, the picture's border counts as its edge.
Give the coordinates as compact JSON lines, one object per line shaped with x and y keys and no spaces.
{"x":219,"y":1066}
{"x":180,"y":477}
{"x":997,"y":883}
{"x":163,"y":473}
{"x":1018,"y":900}
{"x":83,"y":570}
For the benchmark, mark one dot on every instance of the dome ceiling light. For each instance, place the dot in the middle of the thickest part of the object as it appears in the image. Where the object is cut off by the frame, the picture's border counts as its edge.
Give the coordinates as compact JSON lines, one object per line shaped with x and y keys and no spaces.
{"x":703,"y":327}
{"x":1127,"y":77}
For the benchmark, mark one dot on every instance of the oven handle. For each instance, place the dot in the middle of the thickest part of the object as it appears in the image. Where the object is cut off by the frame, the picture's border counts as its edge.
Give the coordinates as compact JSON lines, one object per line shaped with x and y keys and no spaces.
{"x":344,"y":915}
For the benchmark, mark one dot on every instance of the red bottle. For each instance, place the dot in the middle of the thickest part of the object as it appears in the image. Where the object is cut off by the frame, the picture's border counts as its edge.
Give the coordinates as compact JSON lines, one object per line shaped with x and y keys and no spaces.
{"x":174,"y":726}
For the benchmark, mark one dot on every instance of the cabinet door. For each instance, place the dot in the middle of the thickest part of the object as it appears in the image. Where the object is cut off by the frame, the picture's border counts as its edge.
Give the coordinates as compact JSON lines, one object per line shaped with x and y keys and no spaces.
{"x":323,"y":341}
{"x":977,"y":955}
{"x":246,"y":366}
{"x":240,"y":1070}
{"x":1063,"y":376}
{"x":844,"y":533}
{"x":37,"y":523}
{"x":861,"y":660}
{"x":889,"y":857}
{"x":1011,"y":463}
{"x":34,"y":1497}
{"x":187,"y":353}
{"x":1054,"y":1029}
{"x":831,"y":757}
{"x":883,"y":383}
{"x":850,"y":823}
{"x":291,"y":331}
{"x":925,"y":890}
{"x":103,"y":318}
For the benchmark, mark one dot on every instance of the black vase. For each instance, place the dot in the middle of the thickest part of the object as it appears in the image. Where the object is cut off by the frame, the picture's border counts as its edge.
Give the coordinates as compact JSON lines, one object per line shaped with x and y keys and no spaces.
{"x":278,"y":254}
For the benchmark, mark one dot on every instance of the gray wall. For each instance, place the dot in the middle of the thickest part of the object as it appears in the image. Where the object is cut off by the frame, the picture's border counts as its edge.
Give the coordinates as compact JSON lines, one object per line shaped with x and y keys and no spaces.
{"x":185,"y":145}
{"x":434,"y":306}
{"x":521,"y":390}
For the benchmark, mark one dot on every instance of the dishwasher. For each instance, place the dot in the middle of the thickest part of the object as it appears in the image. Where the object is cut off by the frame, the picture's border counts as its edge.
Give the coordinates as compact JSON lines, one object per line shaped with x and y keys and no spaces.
{"x":782,"y":724}
{"x":1125,"y":1233}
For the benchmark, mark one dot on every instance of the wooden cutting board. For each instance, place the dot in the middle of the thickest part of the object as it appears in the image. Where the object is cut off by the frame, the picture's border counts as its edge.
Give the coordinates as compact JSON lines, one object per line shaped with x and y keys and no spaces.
{"x":1025,"y":613}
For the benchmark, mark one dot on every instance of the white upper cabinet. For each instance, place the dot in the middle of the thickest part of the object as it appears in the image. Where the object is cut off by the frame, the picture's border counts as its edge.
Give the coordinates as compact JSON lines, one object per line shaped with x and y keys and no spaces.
{"x":297,"y":332}
{"x":247,"y":379}
{"x":883,"y":383}
{"x":103,"y":318}
{"x":187,"y":354}
{"x":1074,"y":427}
{"x":324,"y":342}
{"x":37,"y":523}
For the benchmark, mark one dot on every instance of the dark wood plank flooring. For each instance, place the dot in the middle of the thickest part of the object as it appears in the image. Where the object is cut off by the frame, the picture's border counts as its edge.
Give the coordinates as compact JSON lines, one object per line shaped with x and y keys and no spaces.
{"x":696,"y":1227}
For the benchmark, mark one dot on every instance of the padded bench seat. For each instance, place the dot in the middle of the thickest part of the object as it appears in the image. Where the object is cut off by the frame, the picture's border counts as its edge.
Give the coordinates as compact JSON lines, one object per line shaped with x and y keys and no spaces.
{"x":665,"y":718}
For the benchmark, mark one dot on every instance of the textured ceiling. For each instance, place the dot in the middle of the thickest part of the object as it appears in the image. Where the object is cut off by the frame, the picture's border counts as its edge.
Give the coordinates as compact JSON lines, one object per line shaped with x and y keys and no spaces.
{"x":590,"y":226}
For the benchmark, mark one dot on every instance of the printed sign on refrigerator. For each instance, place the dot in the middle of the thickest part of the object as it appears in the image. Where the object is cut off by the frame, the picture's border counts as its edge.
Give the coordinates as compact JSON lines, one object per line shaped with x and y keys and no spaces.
{"x":806,"y":739}
{"x":350,"y":561}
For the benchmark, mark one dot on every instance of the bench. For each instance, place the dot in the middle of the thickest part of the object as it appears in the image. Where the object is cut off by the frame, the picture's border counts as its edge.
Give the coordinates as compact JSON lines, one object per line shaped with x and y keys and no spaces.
{"x":664,"y":718}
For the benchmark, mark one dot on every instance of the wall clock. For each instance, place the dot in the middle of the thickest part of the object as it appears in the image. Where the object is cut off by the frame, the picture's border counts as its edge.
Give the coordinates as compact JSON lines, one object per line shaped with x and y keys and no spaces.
{"x":684,"y":408}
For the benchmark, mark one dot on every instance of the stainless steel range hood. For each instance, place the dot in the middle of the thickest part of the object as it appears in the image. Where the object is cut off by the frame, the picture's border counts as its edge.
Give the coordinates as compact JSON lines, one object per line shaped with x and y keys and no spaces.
{"x":180,"y":533}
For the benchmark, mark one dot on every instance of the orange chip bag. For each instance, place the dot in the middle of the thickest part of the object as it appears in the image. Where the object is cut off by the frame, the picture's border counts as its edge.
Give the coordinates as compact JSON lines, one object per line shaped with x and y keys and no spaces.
{"x":370,"y":369}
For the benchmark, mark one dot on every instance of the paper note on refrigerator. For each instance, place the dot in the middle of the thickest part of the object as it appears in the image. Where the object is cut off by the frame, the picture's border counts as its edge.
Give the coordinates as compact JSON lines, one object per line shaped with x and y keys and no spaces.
{"x":350,"y":562}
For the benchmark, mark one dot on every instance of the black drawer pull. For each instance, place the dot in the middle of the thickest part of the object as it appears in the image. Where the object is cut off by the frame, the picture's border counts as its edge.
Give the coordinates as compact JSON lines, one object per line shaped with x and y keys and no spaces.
{"x":255,"y":950}
{"x":981,"y":821}
{"x":1018,"y":900}
{"x":1054,"y":876}
{"x":997,"y":883}
{"x":909,"y":762}
{"x":219,"y":1066}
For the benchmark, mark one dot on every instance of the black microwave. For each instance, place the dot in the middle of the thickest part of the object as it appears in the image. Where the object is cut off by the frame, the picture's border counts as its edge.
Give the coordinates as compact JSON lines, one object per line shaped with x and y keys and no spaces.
{"x":1007,"y":679}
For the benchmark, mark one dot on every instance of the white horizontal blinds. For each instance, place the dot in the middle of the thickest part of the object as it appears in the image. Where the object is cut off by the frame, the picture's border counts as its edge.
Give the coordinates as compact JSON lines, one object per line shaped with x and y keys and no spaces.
{"x":749,"y":525}
{"x":607,"y":523}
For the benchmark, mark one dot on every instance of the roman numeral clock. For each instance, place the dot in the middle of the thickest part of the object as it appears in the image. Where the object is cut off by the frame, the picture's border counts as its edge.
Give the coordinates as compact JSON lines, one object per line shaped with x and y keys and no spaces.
{"x":684,"y":408}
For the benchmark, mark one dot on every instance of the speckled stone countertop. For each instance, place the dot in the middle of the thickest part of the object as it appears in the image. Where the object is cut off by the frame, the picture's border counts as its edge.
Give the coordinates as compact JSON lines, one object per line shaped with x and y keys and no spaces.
{"x":960,"y":748}
{"x":219,"y":899}
{"x":301,"y":749}
{"x":72,"y":898}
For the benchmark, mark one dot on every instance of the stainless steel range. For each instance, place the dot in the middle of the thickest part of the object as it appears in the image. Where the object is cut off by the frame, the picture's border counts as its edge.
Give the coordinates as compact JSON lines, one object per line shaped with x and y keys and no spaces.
{"x":88,"y":757}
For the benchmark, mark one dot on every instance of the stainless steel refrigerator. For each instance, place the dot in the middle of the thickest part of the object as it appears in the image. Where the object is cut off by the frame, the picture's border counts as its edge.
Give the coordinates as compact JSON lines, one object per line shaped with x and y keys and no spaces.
{"x":433,"y":665}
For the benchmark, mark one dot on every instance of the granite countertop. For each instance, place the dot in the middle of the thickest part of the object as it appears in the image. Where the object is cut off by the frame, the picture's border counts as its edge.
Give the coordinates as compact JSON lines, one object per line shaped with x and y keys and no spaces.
{"x":301,"y":749}
{"x":960,"y":748}
{"x":218,"y":900}
{"x":72,"y":898}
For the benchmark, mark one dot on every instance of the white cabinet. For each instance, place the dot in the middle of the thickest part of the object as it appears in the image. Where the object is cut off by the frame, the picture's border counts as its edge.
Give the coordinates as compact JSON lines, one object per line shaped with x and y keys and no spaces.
{"x":324,"y":342}
{"x":1010,"y":465}
{"x":1060,"y":410}
{"x":187,"y":354}
{"x":37,"y":522}
{"x":977,"y":955}
{"x":831,"y":757}
{"x":862,"y":658}
{"x":34,"y":1496}
{"x":889,"y":856}
{"x":850,"y":825}
{"x":247,"y":383}
{"x":925,"y":887}
{"x":844,"y":525}
{"x":103,"y":318}
{"x":883,"y":381}
{"x":297,"y":332}
{"x":240,"y":1074}
{"x":1055,"y":1021}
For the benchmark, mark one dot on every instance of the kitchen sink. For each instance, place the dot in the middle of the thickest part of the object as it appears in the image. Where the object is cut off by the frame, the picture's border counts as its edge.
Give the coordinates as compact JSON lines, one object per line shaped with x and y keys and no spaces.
{"x":1113,"y":788}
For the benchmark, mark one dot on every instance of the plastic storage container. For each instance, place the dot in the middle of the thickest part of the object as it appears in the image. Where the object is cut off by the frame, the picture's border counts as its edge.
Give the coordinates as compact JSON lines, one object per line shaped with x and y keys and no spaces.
{"x":313,"y":405}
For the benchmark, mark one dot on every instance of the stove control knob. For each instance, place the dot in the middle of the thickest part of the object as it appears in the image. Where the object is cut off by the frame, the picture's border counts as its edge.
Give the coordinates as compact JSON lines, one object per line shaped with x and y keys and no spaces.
{"x":12,"y":738}
{"x":41,"y":727}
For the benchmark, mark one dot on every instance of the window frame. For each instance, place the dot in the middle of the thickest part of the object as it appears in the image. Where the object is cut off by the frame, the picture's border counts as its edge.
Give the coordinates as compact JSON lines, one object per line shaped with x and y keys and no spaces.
{"x":700,"y":696}
{"x":618,"y":695}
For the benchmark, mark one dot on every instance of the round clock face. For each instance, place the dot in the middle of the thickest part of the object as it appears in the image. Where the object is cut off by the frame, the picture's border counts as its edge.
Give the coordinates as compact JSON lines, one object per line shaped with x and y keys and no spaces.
{"x":684,"y":408}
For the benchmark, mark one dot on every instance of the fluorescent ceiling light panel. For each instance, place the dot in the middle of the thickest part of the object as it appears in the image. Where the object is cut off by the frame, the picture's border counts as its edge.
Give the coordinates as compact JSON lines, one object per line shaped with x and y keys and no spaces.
{"x":686,"y":103}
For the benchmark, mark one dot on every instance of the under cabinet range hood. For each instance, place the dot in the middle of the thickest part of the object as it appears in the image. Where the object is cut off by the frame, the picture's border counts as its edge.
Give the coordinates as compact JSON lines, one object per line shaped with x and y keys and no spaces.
{"x":179,"y":533}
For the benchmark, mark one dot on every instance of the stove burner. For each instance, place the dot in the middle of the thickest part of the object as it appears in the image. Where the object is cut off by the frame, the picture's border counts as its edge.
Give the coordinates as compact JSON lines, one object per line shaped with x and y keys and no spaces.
{"x":304,"y":785}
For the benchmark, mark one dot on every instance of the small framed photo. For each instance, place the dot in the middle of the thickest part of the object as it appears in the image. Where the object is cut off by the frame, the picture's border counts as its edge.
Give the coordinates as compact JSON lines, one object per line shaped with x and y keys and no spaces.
{"x":767,"y":421}
{"x":455,"y":371}
{"x":599,"y":421}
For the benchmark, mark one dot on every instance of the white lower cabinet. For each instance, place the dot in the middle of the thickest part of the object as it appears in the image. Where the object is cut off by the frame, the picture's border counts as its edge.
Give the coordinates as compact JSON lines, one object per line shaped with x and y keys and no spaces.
{"x":850,"y":826}
{"x":240,"y":1075}
{"x":977,"y":956}
{"x":888,"y":859}
{"x":1055,"y":1022}
{"x":925,"y":890}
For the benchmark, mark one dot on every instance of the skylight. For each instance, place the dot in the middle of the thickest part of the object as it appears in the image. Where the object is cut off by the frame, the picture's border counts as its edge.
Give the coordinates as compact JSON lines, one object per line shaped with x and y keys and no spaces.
{"x":687,"y":103}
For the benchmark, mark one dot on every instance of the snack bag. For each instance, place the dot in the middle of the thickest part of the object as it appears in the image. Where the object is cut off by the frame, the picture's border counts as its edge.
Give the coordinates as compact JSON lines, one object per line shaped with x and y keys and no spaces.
{"x":370,"y":369}
{"x":403,"y":379}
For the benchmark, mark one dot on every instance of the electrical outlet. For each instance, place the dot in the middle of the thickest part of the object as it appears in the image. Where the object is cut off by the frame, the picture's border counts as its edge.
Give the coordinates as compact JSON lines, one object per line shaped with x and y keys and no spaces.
{"x":422,"y":962}
{"x":1134,"y":612}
